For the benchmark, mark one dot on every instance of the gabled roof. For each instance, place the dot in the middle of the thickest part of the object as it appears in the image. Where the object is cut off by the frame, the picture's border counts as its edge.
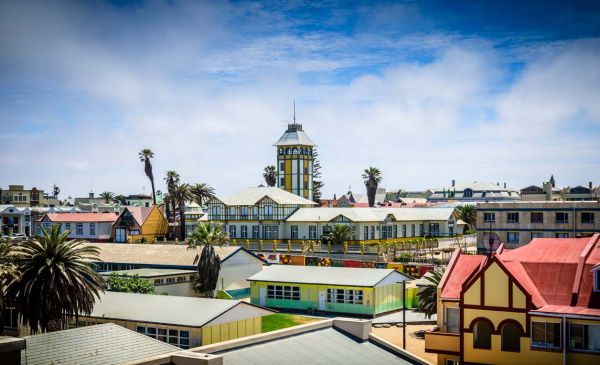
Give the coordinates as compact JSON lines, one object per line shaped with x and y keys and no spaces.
{"x":325,"y":275}
{"x":82,"y":217}
{"x":101,"y":344}
{"x":139,"y":213}
{"x":460,"y":268}
{"x":252,"y":196}
{"x":159,"y":254}
{"x":168,"y":309}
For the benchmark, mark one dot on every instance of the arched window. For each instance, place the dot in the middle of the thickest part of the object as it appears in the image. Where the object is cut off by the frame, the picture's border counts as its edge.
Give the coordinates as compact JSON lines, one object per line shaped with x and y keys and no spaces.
{"x":295,"y":151}
{"x":511,"y":337}
{"x":468,"y":193}
{"x":287,"y":151}
{"x":482,"y":335}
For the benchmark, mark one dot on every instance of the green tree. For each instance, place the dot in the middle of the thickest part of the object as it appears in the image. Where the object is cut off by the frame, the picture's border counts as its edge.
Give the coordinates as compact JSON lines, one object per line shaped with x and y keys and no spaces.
{"x":172,"y":179}
{"x":145,"y":155}
{"x":55,"y":191}
{"x":317,"y":182}
{"x":58,"y":280}
{"x":372,"y":178}
{"x":120,"y":199}
{"x":201,"y":193}
{"x":129,"y":284}
{"x":468,"y":213}
{"x":340,"y":234}
{"x":206,"y":236}
{"x":427,"y":295}
{"x":107,"y":196}
{"x":270,"y":175}
{"x":181,"y":194}
{"x":9,"y":274}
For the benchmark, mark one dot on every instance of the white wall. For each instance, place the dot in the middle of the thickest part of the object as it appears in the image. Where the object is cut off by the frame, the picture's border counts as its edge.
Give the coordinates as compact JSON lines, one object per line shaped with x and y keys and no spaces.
{"x":237,"y":269}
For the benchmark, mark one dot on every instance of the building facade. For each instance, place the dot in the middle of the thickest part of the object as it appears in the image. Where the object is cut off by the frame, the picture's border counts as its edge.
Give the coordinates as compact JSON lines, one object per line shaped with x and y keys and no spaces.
{"x":517,"y":223}
{"x":86,"y":226}
{"x":537,"y":304}
{"x":15,"y":220}
{"x":295,"y":161}
{"x":140,"y":223}
{"x":20,"y":197}
{"x":473,"y":192}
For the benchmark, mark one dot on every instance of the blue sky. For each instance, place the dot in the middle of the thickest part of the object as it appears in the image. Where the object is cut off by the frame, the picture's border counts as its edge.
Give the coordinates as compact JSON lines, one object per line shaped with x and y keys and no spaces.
{"x":428,"y":91}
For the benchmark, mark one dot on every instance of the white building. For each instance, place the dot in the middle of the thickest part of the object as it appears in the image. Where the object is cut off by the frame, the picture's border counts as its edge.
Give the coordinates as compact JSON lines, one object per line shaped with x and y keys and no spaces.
{"x":474,"y":192}
{"x":15,"y":220}
{"x":87,"y":226}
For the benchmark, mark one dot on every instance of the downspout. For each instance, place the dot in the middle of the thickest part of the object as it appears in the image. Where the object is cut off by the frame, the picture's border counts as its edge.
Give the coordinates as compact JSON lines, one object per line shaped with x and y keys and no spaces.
{"x":564,"y":341}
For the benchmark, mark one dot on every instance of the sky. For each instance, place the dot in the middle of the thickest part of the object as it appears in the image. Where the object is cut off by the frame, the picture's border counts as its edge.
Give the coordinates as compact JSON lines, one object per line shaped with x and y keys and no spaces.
{"x":427,"y":91}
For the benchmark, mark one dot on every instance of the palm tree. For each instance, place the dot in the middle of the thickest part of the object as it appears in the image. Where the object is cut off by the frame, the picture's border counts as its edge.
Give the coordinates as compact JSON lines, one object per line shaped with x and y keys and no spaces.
{"x":107,"y":196}
{"x":201,"y":193}
{"x":9,"y":274}
{"x":209,"y":263}
{"x":58,"y":280}
{"x":340,"y":234}
{"x":270,"y":175}
{"x":120,"y":199}
{"x":145,"y":155}
{"x":372,"y":179}
{"x":180,"y":195}
{"x":428,"y":295}
{"x":468,"y":213}
{"x":172,"y":179}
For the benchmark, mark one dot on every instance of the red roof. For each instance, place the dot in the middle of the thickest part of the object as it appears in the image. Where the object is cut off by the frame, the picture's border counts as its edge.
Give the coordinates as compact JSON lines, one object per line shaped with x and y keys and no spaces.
{"x":459,"y":270}
{"x":82,"y":217}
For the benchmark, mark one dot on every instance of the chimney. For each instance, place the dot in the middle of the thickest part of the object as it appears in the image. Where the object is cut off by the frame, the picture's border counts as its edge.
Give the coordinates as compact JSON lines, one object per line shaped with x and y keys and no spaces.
{"x":453,"y":182}
{"x":591,"y":185}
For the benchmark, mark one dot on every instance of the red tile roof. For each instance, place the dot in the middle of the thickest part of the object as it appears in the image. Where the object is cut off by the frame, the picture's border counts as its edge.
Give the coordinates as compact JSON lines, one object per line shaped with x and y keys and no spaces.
{"x":459,"y":270}
{"x":82,"y":217}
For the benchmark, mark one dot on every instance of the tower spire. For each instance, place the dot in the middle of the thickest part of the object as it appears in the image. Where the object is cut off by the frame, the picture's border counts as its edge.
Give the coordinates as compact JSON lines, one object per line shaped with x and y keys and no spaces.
{"x":294,"y":111}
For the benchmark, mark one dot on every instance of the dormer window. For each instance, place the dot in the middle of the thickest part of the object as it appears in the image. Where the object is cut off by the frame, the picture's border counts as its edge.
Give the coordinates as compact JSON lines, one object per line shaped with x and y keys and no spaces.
{"x":468,"y":193}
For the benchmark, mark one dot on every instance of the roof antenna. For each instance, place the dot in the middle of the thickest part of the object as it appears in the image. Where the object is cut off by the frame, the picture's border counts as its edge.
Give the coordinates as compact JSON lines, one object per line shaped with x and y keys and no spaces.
{"x":294,"y":111}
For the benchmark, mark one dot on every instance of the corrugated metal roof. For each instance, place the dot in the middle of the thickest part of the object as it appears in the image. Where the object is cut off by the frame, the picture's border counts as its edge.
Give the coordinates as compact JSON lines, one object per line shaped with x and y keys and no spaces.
{"x":82,"y":217}
{"x":325,"y":275}
{"x":252,"y":196}
{"x":327,"y":346}
{"x":167,"y":309}
{"x":101,"y":344}
{"x":156,"y":254}
{"x":294,"y":138}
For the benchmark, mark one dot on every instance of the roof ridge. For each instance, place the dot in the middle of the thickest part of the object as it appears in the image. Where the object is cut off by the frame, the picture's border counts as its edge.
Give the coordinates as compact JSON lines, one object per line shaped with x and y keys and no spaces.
{"x":580,"y":266}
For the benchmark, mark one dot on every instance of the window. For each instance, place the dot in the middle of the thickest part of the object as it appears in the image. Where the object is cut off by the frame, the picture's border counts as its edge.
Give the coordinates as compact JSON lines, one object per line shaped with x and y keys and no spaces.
{"x":326,"y":229}
{"x":512,"y":217}
{"x":67,"y":226}
{"x":511,"y":337}
{"x":255,"y":232}
{"x":232,"y":212}
{"x":512,"y":237}
{"x":312,"y":232}
{"x":562,"y":217}
{"x":584,"y":337}
{"x":92,"y":229}
{"x":79,"y":229}
{"x":294,"y":232}
{"x":283,"y":292}
{"x":537,"y":235}
{"x":216,"y":210}
{"x":468,"y":193}
{"x":404,"y":230}
{"x":452,"y":362}
{"x":587,"y":218}
{"x":345,"y":296}
{"x":372,"y":232}
{"x":282,"y":182}
{"x":434,"y":229}
{"x":180,"y":338}
{"x":395,"y":231}
{"x":10,"y":317}
{"x":232,"y":232}
{"x":276,"y":232}
{"x":255,"y":211}
{"x":421,"y":229}
{"x":244,"y":212}
{"x":412,"y":230}
{"x":537,"y":217}
{"x":489,"y":217}
{"x":482,"y":335}
{"x":170,"y":280}
{"x":544,"y":334}
{"x":561,"y":235}
{"x":268,"y":210}
{"x":244,"y":231}
{"x":366,"y":233}
{"x":267,"y":232}
{"x":452,"y":320}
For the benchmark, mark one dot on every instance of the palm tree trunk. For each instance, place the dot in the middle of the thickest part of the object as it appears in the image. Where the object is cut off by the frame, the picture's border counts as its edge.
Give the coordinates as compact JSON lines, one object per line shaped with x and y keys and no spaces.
{"x":182,"y":222}
{"x":153,"y":192}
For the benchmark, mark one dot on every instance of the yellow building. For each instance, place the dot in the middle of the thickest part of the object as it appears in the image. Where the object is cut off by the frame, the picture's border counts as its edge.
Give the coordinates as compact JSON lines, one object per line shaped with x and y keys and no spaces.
{"x":180,"y":321}
{"x":537,"y":304}
{"x":140,"y":223}
{"x":20,"y":197}
{"x":295,"y":161}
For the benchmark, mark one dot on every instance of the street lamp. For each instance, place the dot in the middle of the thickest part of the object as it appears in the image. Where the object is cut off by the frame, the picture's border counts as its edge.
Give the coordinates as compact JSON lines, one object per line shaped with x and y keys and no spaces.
{"x":403,"y":282}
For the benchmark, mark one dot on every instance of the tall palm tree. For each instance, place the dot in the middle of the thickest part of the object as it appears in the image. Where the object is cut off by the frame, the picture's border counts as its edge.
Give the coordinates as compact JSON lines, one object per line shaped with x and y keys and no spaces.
{"x":145,"y":155}
{"x":270,"y":175}
{"x":202,"y":192}
{"x":427,"y":295}
{"x":209,"y":263}
{"x":372,"y":179}
{"x":9,"y":274}
{"x":58,"y":280}
{"x":120,"y":199}
{"x":340,"y":234}
{"x":180,"y":195}
{"x":172,"y":179}
{"x":107,"y":196}
{"x":468,"y":213}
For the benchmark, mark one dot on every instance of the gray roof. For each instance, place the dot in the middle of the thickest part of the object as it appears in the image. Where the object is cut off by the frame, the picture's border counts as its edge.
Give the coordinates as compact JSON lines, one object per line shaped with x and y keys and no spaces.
{"x":371,"y":214}
{"x":150,"y":273}
{"x":325,"y":275}
{"x":101,"y":344}
{"x":251,"y":196}
{"x":294,"y":136}
{"x":166,"y":309}
{"x":327,"y":346}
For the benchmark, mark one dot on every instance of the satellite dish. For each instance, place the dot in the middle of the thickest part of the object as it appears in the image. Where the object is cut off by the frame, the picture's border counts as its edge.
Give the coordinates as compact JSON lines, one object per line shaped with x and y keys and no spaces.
{"x":491,"y":241}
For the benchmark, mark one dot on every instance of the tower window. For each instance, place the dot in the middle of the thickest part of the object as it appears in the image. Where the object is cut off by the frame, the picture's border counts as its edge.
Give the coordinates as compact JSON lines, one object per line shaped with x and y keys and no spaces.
{"x":287,"y":151}
{"x":281,"y":151}
{"x":295,"y":151}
